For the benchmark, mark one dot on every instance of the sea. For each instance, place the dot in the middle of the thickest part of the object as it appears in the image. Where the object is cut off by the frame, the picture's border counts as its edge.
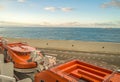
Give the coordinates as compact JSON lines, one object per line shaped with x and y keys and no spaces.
{"x":66,"y":33}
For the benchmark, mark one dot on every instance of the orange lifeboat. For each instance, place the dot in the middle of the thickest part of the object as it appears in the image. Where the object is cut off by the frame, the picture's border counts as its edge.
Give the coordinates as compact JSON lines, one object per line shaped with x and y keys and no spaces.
{"x":77,"y":71}
{"x":19,"y":53}
{"x":48,"y":76}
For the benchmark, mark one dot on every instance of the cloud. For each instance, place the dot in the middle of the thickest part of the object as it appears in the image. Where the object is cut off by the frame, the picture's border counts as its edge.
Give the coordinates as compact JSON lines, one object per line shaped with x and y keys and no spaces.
{"x":105,"y":24}
{"x":95,"y":24}
{"x":17,"y":24}
{"x":67,"y":9}
{"x":114,"y":24}
{"x":70,"y":24}
{"x":64,"y":9}
{"x":21,"y":1}
{"x":50,"y":8}
{"x":1,"y":7}
{"x":112,"y":3}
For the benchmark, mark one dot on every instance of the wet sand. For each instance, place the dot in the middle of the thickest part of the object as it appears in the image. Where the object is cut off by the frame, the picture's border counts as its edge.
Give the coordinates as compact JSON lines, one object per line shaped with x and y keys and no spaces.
{"x":103,"y":54}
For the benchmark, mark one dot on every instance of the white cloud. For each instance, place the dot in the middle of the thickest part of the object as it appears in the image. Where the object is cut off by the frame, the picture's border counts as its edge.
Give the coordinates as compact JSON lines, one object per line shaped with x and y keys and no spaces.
{"x":17,"y":24}
{"x":64,"y":24}
{"x":21,"y":1}
{"x":113,"y":3}
{"x":95,"y":24}
{"x":67,"y":9}
{"x":50,"y":8}
{"x":1,"y":7}
{"x":64,"y":9}
{"x":70,"y":24}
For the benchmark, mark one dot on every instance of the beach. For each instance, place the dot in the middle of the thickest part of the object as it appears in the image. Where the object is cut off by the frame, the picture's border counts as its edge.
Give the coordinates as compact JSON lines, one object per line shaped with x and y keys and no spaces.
{"x":104,"y":54}
{"x":95,"y":47}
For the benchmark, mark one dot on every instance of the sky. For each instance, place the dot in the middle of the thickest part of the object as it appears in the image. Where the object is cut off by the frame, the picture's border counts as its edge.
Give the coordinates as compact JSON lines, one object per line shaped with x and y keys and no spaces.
{"x":60,"y":13}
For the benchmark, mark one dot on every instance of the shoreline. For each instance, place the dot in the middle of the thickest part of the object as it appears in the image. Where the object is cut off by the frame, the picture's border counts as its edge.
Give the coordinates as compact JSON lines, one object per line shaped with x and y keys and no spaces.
{"x":72,"y":45}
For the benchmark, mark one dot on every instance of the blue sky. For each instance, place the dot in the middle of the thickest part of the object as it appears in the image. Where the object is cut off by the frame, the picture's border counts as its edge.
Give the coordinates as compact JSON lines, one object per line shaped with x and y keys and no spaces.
{"x":81,"y":13}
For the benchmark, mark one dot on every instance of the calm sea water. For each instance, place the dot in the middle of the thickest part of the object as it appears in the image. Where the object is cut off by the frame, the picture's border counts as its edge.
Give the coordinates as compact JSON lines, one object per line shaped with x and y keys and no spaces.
{"x":83,"y":34}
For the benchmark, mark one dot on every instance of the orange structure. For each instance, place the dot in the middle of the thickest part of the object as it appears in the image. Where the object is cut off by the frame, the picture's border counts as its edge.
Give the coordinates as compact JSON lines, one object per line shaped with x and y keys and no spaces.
{"x":19,"y":53}
{"x":77,"y":71}
{"x":49,"y":76}
{"x":25,"y":57}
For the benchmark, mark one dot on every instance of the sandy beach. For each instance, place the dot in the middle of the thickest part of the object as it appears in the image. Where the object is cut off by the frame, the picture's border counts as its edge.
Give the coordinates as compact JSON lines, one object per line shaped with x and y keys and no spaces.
{"x":104,"y":54}
{"x":96,"y":47}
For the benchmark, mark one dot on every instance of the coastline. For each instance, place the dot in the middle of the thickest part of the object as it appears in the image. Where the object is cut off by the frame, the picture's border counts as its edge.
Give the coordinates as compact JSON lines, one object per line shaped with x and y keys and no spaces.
{"x":82,"y":46}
